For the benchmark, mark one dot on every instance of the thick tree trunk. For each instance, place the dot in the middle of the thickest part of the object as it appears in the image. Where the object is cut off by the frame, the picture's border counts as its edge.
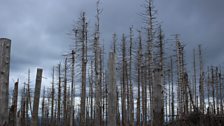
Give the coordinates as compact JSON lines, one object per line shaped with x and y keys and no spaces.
{"x":36,"y":97}
{"x":157,"y":94}
{"x":157,"y":97}
{"x":5,"y":46}
{"x":112,"y":91}
{"x":98,"y":119}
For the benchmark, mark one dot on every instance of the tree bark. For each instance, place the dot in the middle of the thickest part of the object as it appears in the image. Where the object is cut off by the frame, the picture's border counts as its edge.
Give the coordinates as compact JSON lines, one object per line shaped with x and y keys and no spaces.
{"x":112,"y":91}
{"x":36,"y":97}
{"x":5,"y":47}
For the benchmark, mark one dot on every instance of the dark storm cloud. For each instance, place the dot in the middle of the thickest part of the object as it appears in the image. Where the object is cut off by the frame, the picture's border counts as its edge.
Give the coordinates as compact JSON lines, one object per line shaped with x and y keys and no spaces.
{"x":38,"y":28}
{"x":198,"y":22}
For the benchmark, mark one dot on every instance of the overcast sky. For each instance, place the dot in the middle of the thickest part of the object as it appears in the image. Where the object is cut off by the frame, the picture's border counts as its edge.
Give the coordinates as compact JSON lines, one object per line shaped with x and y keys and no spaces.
{"x":39,"y":28}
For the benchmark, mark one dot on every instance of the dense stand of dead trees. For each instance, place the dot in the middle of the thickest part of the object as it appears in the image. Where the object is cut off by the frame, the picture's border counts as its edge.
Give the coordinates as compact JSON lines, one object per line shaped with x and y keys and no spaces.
{"x":141,"y":85}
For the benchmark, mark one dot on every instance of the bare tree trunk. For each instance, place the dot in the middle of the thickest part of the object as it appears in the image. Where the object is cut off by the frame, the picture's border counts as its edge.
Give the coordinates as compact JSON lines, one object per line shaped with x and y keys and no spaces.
{"x":181,"y":86}
{"x":139,"y":63}
{"x":65,"y":95}
{"x":52,"y":100}
{"x":43,"y":109}
{"x":157,"y":95}
{"x":157,"y":117}
{"x":131,"y":111}
{"x":208,"y":89}
{"x":28,"y":89}
{"x":201,"y":87}
{"x":117,"y":109}
{"x":169,"y":116}
{"x":124,"y":82}
{"x":144,"y":116}
{"x":213,"y":90}
{"x":72,"y":89}
{"x":23,"y":107}
{"x":172,"y":103}
{"x":5,"y":46}
{"x":47,"y":109}
{"x":13,"y":109}
{"x":112,"y":91}
{"x":216,"y":90}
{"x":59,"y":96}
{"x":36,"y":97}
{"x":149,"y":54}
{"x":102,"y":92}
{"x":27,"y":108}
{"x":98,"y":119}
{"x":29,"y":99}
{"x":220,"y":90}
{"x":84,"y":63}
{"x":91,"y":95}
{"x":195,"y":78}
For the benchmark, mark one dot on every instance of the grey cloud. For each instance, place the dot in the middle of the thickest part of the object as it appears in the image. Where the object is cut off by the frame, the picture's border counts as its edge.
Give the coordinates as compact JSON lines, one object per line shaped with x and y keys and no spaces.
{"x":38,"y":29}
{"x":198,"y":22}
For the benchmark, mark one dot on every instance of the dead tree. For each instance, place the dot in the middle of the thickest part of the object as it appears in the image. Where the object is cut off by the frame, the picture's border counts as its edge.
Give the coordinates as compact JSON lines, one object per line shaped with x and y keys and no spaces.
{"x":181,"y":83}
{"x":65,"y":94}
{"x":91,"y":94}
{"x":36,"y":97}
{"x":216,"y":86}
{"x":131,"y":105}
{"x":28,"y":100}
{"x":157,"y":117}
{"x":103,"y":91}
{"x":72,"y":89}
{"x":112,"y":91}
{"x":13,"y":109}
{"x":150,"y":20}
{"x":144,"y":95}
{"x":23,"y":107}
{"x":169,"y":102}
{"x":98,"y":119}
{"x":43,"y":109}
{"x":29,"y":92}
{"x":157,"y":94}
{"x":124,"y":82}
{"x":81,"y":39}
{"x":220,"y":91}
{"x":194,"y":78}
{"x":59,"y":96}
{"x":117,"y":108}
{"x":208,"y":89}
{"x":5,"y":46}
{"x":139,"y":63}
{"x":172,"y":87}
{"x":213,"y":89}
{"x":52,"y":99}
{"x":201,"y":86}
